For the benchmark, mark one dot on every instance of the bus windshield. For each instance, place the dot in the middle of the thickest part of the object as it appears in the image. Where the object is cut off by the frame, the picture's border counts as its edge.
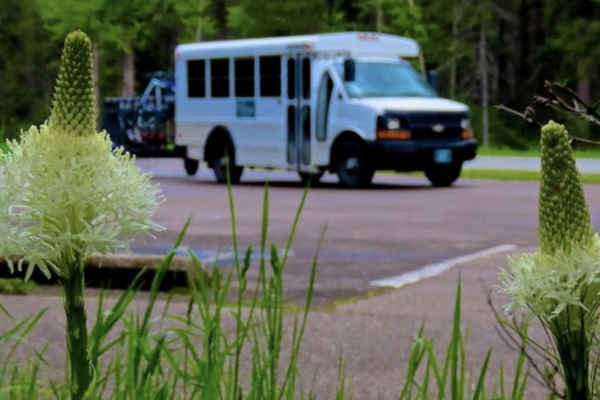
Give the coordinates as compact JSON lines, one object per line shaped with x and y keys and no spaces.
{"x":386,"y":79}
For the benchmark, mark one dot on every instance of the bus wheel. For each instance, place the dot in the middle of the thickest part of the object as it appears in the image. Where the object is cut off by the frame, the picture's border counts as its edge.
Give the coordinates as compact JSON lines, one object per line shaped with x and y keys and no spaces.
{"x":313,"y":178}
{"x":221,"y":159}
{"x":191,"y":166}
{"x":443,"y":175}
{"x":353,"y":167}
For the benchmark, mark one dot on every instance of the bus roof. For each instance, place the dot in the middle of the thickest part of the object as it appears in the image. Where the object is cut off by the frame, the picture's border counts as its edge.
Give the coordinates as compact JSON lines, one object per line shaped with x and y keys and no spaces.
{"x":353,"y":43}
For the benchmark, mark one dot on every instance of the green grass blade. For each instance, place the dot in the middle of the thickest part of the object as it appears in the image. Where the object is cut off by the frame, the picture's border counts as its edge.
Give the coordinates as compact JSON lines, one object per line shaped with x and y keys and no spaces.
{"x":518,"y":371}
{"x":182,"y":233}
{"x":233,"y":220}
{"x":482,"y":374}
{"x":5,"y":311}
{"x":292,"y":234}
{"x":455,"y":346}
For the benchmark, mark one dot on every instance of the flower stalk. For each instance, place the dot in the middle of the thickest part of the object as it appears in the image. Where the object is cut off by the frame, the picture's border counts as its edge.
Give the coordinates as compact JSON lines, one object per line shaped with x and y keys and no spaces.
{"x":560,"y":284}
{"x":77,"y":336}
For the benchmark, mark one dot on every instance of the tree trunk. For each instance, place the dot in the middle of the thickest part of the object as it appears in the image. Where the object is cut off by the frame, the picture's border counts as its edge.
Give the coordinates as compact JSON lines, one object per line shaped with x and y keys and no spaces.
{"x":483,"y":73}
{"x":411,"y":4}
{"x":453,"y":51}
{"x":584,"y":83}
{"x":220,"y":15}
{"x":583,"y":89}
{"x":199,"y":25}
{"x":128,"y":74}
{"x":379,"y":20}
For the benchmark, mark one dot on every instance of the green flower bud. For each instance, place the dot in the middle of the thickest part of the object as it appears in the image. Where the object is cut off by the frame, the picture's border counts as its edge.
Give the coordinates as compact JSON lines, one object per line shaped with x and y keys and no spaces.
{"x":73,"y":107}
{"x":564,"y":218}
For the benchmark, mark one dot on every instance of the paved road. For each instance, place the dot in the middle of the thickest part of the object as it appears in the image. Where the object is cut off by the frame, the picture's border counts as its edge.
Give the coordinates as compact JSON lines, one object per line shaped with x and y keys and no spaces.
{"x":398,"y":225}
{"x":525,"y":163}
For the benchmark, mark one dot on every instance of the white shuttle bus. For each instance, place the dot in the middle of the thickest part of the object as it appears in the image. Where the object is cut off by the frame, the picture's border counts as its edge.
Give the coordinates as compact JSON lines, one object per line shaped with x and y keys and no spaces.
{"x":347,"y":103}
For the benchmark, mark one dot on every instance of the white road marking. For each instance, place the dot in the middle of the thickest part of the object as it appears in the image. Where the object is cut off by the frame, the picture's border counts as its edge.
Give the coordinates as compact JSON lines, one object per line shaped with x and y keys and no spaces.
{"x":432,"y":270}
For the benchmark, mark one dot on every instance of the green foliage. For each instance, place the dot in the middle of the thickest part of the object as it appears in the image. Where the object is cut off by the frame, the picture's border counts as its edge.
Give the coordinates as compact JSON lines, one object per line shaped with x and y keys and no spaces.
{"x":26,"y":67}
{"x":247,"y":18}
{"x":16,"y":286}
{"x":572,"y":29}
{"x":504,"y":131}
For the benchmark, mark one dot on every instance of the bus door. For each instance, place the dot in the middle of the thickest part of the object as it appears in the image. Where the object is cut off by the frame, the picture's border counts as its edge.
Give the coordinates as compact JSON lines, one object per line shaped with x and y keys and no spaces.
{"x":299,"y":111}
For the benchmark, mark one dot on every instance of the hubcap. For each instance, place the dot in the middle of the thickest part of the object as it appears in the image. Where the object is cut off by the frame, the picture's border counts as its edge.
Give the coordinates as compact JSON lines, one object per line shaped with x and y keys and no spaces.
{"x":352,"y":164}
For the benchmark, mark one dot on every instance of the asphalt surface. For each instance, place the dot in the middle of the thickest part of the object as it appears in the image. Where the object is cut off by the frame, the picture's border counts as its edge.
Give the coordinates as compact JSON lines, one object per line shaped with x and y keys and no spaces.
{"x":400,"y":224}
{"x":374,"y":336}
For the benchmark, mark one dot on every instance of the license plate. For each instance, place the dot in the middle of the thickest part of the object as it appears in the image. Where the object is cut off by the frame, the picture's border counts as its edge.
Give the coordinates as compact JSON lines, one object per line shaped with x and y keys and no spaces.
{"x":442,"y":156}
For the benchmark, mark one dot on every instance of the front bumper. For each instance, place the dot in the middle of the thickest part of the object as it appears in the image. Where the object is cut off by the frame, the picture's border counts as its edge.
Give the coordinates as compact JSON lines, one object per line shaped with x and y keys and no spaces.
{"x":417,"y":155}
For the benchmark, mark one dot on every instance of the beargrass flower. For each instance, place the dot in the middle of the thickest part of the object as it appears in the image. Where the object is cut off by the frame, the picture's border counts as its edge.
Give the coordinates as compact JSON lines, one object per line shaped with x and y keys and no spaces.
{"x":64,"y":190}
{"x":65,"y":194}
{"x":560,"y":283}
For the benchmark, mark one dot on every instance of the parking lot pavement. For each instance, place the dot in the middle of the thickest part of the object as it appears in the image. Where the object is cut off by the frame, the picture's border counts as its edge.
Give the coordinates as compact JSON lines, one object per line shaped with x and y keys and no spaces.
{"x":374,"y":335}
{"x":399,"y":225}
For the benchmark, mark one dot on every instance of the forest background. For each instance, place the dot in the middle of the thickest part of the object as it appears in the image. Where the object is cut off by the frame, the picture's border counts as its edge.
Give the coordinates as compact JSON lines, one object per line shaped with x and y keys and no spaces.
{"x":486,"y":52}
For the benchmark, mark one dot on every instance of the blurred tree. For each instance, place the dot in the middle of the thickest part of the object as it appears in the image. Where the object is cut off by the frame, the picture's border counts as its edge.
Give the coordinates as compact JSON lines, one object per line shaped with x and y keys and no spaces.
{"x":117,"y":27}
{"x":62,"y":17}
{"x":263,"y":18}
{"x":500,"y":49}
{"x":27,"y":66}
{"x":573,"y":29}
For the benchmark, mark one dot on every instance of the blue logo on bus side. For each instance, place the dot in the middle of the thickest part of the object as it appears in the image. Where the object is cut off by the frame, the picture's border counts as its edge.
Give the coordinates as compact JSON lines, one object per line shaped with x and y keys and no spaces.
{"x":246,"y":108}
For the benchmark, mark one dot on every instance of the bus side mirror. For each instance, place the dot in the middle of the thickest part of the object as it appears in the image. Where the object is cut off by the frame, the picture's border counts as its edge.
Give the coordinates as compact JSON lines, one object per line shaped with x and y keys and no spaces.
{"x":433,"y":79}
{"x":349,"y":70}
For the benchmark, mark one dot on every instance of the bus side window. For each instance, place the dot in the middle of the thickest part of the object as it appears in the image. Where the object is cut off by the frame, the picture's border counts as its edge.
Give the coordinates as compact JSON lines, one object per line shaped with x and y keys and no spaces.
{"x":291,"y":78}
{"x":244,"y":77}
{"x":323,"y":101}
{"x":270,"y":76}
{"x":196,"y":78}
{"x":306,"y":78}
{"x":219,"y":77}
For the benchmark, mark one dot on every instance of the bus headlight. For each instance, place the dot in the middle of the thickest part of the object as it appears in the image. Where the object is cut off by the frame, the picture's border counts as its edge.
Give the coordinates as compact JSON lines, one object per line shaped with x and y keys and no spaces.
{"x":467,"y":132}
{"x":393,"y":124}
{"x":392,"y":128}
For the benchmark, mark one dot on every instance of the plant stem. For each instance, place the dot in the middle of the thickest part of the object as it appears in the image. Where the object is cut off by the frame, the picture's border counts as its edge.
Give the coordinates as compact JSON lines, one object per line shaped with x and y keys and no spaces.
{"x":573,"y":348}
{"x":77,"y":336}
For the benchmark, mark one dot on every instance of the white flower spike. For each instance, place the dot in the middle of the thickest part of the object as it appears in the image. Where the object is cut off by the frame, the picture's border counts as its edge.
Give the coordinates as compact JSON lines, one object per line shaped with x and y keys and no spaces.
{"x":63,"y":189}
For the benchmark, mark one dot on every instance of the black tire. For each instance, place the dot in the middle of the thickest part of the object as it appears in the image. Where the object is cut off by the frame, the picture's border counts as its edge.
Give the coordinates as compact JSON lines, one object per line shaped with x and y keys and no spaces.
{"x":443,"y":175}
{"x":353,"y":165}
{"x":191,"y":166}
{"x":313,"y":178}
{"x":223,"y":154}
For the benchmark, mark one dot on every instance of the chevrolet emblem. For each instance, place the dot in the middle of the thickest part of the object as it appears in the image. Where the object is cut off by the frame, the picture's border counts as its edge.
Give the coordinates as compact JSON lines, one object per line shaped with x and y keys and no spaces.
{"x":438,"y":128}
